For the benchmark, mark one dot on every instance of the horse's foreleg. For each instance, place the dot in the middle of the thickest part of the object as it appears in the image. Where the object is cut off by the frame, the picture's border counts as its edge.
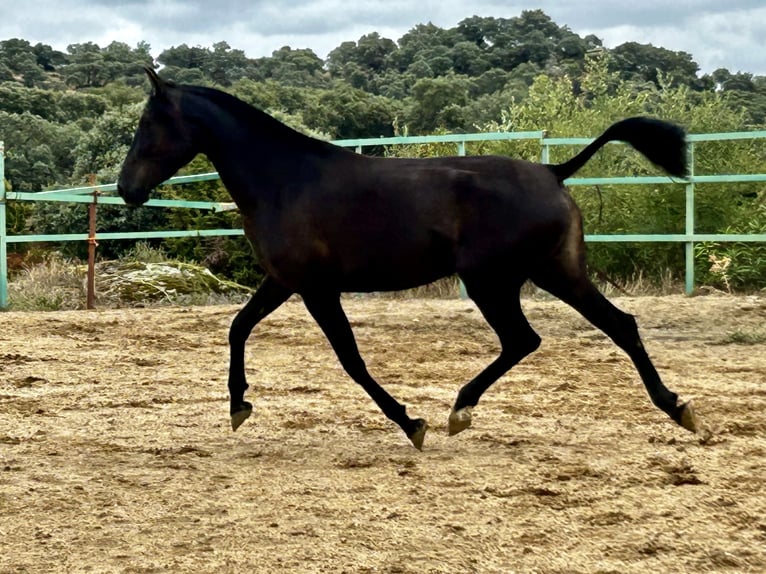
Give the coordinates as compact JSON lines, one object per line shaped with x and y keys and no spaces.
{"x":328,"y":313}
{"x":266,"y":299}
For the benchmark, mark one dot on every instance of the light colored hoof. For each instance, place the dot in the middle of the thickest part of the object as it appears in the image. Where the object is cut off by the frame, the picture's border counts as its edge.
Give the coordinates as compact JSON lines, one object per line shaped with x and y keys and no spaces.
{"x":689,"y":418}
{"x":419,"y":435}
{"x":240,"y":416}
{"x":459,"y":420}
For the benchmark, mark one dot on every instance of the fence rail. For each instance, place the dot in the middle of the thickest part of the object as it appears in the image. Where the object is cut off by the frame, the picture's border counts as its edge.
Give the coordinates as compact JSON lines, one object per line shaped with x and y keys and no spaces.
{"x":99,"y":194}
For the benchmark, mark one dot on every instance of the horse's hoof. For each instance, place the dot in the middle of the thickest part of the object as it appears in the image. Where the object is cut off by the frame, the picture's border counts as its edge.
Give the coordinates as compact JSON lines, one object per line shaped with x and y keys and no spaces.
{"x":459,"y":420}
{"x":241,"y":415}
{"x":419,"y":434}
{"x":688,"y":418}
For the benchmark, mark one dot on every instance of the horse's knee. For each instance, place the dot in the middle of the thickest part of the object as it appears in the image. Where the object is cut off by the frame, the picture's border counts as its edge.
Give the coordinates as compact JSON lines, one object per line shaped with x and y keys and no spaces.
{"x":238,"y":332}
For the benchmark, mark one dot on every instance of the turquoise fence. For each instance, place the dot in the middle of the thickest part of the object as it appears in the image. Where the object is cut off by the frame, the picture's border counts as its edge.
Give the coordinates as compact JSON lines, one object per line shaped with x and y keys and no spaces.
{"x":100,"y":194}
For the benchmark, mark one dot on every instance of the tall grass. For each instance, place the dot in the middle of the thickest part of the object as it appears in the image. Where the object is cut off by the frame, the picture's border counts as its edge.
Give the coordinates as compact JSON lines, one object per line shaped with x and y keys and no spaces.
{"x":57,"y":283}
{"x":53,"y":284}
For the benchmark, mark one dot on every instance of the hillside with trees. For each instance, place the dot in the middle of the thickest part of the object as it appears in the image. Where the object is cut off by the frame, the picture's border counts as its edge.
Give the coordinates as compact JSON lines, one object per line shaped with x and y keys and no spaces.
{"x":66,"y":115}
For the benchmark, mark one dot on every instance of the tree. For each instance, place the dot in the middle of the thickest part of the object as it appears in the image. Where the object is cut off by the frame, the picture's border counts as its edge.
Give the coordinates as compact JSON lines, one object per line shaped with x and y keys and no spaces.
{"x":102,"y":149}
{"x":372,"y":51}
{"x":225,"y":66}
{"x":478,"y":30}
{"x":184,"y":57}
{"x":435,"y":103}
{"x":119,"y":94}
{"x":273,"y":96}
{"x":491,"y":81}
{"x":359,"y":62}
{"x":85,"y":68}
{"x":301,"y":67}
{"x":643,"y":62}
{"x":38,"y":152}
{"x":126,"y":64}
{"x":47,"y":58}
{"x":20,"y":59}
{"x":469,"y":59}
{"x":346,"y":113}
{"x":424,"y":41}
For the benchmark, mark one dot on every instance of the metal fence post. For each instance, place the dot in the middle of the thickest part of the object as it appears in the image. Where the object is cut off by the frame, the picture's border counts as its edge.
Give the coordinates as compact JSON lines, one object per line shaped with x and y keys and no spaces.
{"x":90,"y":301}
{"x":545,"y":154}
{"x":689,"y":245}
{"x":3,"y":236}
{"x":463,"y":292}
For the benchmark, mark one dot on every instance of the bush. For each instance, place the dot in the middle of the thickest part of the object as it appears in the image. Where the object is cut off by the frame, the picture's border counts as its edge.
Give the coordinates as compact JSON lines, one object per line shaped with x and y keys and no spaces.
{"x":735,"y":265}
{"x":602,"y":98}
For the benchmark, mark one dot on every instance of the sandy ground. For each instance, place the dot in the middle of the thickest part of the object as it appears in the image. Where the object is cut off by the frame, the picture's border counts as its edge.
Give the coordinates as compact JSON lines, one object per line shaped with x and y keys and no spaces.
{"x":116,"y":453}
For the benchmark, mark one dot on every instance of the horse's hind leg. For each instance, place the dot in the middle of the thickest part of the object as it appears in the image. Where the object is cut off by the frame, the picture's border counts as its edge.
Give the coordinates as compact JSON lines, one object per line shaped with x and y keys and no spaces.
{"x":266,"y":299}
{"x":328,"y":313}
{"x":501,"y":308}
{"x":571,"y":284}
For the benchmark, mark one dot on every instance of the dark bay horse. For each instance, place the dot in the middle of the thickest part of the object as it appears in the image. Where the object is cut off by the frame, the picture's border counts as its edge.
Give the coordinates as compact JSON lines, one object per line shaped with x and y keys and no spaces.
{"x":324,"y":220}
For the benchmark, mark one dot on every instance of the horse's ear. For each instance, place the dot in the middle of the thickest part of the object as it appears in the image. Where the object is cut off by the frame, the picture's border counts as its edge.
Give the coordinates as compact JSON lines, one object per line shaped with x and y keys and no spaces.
{"x":158,"y":85}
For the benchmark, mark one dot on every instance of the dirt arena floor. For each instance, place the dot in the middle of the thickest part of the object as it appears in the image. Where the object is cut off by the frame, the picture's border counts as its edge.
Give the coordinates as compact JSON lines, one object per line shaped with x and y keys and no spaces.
{"x":116,"y":453}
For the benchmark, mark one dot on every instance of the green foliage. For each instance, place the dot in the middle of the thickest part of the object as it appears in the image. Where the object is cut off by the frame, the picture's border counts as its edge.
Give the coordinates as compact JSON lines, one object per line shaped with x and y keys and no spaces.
{"x":438,"y":103}
{"x":38,"y":152}
{"x":736,"y":265}
{"x":644,"y":63}
{"x":359,"y":62}
{"x":89,"y":66}
{"x":301,"y":68}
{"x":101,"y":150}
{"x":351,"y":113}
{"x":603,"y":98}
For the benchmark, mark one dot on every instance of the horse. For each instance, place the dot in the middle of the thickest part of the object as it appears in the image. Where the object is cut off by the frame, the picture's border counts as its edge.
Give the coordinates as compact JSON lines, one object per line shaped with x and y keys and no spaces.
{"x":324,"y":220}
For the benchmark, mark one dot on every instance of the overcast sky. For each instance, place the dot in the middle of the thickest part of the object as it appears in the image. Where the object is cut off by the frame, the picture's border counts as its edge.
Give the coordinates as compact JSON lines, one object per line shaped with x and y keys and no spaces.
{"x":717,"y":33}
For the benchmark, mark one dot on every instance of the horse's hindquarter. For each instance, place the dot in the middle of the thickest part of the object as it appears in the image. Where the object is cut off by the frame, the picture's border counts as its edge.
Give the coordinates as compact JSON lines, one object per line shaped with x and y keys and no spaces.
{"x":512,"y":214}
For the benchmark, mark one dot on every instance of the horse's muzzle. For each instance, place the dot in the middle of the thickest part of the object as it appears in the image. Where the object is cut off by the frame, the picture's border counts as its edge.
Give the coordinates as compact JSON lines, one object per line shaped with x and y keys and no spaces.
{"x":133,"y":198}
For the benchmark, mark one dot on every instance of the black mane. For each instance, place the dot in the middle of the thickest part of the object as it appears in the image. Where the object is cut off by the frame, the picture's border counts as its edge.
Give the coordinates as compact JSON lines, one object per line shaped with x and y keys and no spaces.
{"x":267,"y":127}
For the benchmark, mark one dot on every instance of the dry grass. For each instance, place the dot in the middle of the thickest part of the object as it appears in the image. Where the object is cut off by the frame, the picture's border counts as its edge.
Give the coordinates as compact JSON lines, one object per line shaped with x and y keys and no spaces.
{"x":450,"y":288}
{"x":59,"y":284}
{"x":55,"y":284}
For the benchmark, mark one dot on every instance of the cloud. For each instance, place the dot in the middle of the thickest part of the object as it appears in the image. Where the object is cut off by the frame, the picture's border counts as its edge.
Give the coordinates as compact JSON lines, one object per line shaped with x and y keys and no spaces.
{"x":725,"y":39}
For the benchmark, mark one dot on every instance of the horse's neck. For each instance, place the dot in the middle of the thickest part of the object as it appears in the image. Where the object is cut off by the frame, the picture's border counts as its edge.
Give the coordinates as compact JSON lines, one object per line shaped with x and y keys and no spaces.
{"x":249,"y":149}
{"x":240,"y":133}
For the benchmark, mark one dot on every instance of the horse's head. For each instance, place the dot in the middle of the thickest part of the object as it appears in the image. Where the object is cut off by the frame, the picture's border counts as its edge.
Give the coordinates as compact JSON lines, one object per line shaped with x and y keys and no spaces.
{"x":162,"y":144}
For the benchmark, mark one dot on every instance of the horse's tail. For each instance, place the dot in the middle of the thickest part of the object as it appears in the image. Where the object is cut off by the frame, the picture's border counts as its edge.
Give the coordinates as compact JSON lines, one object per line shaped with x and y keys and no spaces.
{"x":662,"y":143}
